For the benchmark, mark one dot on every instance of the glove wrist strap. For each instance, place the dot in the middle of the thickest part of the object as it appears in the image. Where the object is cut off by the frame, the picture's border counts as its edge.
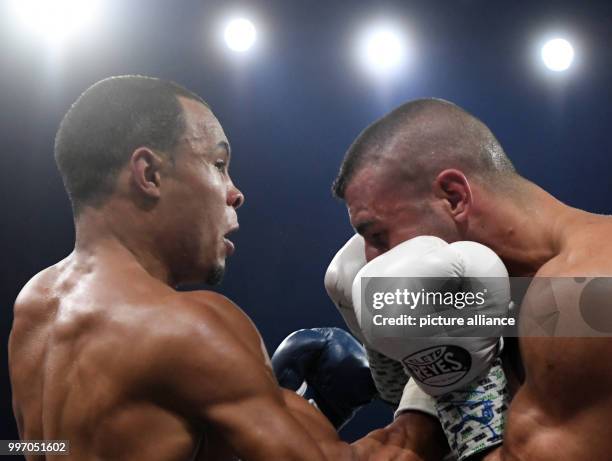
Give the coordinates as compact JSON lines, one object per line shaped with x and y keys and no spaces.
{"x":473,"y":418}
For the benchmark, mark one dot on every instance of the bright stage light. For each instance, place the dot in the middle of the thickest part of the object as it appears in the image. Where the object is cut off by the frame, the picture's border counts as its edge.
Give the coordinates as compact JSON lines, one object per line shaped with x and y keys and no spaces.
{"x":382,"y":49}
{"x":557,"y":54}
{"x":55,"y":19}
{"x":240,"y":35}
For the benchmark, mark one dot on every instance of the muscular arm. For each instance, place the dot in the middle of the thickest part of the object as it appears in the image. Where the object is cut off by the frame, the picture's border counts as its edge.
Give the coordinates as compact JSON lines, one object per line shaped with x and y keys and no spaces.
{"x":317,"y":426}
{"x":418,"y":436}
{"x":218,"y":373}
{"x":561,"y":410}
{"x":413,"y":431}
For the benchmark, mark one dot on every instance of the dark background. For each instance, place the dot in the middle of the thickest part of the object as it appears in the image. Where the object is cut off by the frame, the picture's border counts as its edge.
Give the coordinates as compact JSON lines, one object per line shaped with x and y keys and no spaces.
{"x":290,"y":110}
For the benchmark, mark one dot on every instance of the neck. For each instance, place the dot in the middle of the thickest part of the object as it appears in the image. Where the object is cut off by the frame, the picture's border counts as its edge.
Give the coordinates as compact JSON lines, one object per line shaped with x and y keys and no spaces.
{"x":526,"y":229}
{"x":121,"y":235}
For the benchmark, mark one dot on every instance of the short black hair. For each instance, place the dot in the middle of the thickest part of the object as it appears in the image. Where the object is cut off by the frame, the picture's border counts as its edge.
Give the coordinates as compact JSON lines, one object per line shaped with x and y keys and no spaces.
{"x":425,"y":136}
{"x":110,"y":120}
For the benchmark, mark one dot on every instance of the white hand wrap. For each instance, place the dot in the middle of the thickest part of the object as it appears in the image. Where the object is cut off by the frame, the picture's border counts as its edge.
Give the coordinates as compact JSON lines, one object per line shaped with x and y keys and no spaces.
{"x":473,"y":418}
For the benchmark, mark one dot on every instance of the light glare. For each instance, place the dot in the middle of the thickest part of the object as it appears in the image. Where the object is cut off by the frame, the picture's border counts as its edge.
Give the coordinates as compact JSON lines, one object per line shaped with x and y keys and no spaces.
{"x":56,"y":19}
{"x":383,"y":50}
{"x":240,"y":35}
{"x":557,"y":54}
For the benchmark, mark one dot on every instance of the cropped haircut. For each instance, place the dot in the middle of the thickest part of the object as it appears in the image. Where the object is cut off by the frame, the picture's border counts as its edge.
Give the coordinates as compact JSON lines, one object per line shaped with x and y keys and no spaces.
{"x":107,"y":123}
{"x":423,"y":137}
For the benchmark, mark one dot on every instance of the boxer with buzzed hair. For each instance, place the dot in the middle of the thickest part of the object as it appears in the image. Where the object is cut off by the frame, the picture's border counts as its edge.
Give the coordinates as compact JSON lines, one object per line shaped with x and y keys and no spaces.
{"x":421,"y":185}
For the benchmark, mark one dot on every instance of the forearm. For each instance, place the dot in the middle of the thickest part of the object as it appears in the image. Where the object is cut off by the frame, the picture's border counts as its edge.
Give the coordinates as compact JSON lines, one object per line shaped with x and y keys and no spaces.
{"x":317,"y":426}
{"x":313,"y":421}
{"x":274,"y":435}
{"x":263,"y":427}
{"x":415,"y":432}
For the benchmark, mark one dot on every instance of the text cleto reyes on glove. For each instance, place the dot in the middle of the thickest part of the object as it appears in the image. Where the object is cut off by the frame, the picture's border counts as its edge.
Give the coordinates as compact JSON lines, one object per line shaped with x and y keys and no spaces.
{"x":459,"y":367}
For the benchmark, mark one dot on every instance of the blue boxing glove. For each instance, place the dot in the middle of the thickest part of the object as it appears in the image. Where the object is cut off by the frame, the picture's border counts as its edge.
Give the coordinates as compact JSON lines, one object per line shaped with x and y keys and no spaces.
{"x":333,"y":365}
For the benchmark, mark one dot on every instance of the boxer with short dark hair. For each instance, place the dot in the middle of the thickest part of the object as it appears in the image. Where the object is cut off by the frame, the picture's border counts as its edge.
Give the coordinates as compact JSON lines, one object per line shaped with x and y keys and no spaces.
{"x":431,"y":169}
{"x":104,"y":351}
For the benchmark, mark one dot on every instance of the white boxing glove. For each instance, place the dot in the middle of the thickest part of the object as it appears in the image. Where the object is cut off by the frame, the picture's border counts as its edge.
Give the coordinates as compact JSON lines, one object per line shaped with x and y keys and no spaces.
{"x":339,"y":278}
{"x":463,"y":373}
{"x":438,"y":362}
{"x":415,"y":399}
{"x":389,"y":375}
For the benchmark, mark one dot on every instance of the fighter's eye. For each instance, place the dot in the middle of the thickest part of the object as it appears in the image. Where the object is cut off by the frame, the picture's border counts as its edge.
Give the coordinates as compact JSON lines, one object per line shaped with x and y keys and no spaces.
{"x":221,"y":166}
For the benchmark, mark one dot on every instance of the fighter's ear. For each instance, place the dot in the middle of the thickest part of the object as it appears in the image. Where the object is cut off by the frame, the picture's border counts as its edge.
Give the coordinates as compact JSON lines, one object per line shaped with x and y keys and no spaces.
{"x":145,"y":168}
{"x":453,"y":187}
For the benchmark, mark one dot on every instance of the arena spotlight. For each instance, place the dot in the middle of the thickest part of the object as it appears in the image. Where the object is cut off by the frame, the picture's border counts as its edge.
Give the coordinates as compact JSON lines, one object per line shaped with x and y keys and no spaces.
{"x":240,"y":35}
{"x":557,"y":54}
{"x":55,"y":19}
{"x":382,"y":49}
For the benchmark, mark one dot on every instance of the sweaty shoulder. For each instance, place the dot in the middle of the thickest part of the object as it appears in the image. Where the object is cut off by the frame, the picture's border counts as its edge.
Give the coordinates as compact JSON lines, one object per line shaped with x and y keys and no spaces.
{"x":213,"y":314}
{"x":586,"y":253}
{"x":36,"y":289}
{"x":205,"y":327}
{"x":34,"y":308}
{"x":204,"y":353}
{"x":569,"y":295}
